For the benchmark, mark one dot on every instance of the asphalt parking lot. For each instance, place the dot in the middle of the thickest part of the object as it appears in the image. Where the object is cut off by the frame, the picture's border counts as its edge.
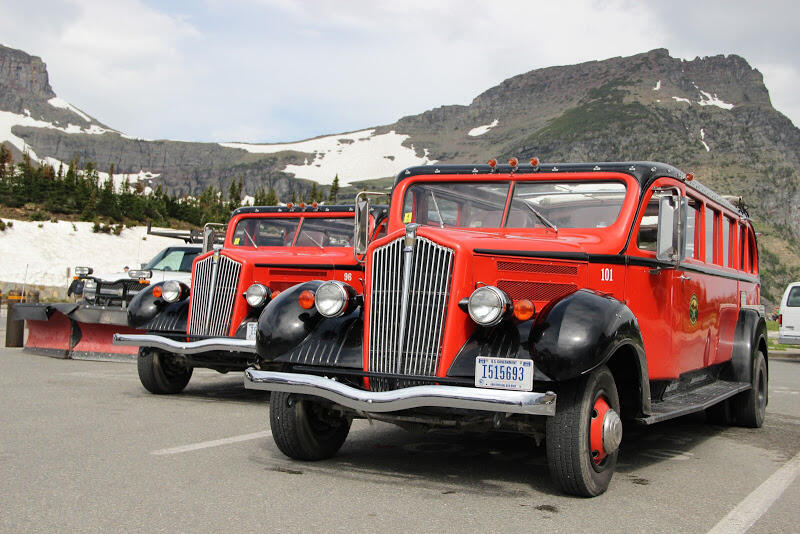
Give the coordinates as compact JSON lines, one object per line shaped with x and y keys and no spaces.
{"x":84,"y":447}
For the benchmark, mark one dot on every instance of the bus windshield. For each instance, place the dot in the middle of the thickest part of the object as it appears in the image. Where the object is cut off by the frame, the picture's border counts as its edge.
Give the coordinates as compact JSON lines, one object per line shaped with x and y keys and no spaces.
{"x":296,"y":231}
{"x":540,"y":204}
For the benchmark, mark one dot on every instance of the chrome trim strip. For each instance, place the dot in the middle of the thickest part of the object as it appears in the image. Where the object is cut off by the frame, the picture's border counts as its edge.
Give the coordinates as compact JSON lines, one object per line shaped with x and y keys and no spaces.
{"x":491,"y":400}
{"x":181,"y":347}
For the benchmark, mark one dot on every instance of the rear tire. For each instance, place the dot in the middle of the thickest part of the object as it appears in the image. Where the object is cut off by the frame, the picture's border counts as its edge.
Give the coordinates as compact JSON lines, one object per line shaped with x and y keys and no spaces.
{"x":569,"y":454}
{"x":304,"y":429}
{"x":161,"y":373}
{"x":750,"y":407}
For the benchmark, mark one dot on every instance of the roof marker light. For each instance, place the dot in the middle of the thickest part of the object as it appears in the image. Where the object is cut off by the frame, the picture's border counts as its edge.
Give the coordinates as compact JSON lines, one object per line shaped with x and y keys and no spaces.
{"x":289,"y":205}
{"x":513,"y":162}
{"x":535,"y":163}
{"x":314,"y":205}
{"x":689,"y":176}
{"x":302,"y":205}
{"x":492,"y":163}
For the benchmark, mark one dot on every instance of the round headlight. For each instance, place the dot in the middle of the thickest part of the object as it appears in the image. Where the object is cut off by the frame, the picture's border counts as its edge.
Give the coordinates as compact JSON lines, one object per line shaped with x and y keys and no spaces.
{"x":171,"y":291}
{"x":256,"y":295}
{"x":488,"y":305}
{"x":331,"y":299}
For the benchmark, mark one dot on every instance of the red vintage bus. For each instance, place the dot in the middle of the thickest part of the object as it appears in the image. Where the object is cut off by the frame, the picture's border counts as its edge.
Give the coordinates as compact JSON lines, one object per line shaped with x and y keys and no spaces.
{"x":212,"y":324}
{"x":560,"y":300}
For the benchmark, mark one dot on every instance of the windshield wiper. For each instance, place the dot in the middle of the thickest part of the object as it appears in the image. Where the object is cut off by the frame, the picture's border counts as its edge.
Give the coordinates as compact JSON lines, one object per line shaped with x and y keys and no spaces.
{"x":250,"y":238}
{"x":314,"y":240}
{"x":541,"y":217}
{"x":439,"y":213}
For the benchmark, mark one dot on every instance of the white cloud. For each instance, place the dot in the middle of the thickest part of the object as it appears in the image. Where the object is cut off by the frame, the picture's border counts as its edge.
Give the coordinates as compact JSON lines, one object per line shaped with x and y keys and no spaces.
{"x":281,"y":70}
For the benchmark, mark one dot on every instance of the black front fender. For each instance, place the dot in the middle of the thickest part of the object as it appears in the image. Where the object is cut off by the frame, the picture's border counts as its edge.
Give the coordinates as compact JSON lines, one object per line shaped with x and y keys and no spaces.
{"x":156,"y":315}
{"x":580,"y":332}
{"x":284,"y":324}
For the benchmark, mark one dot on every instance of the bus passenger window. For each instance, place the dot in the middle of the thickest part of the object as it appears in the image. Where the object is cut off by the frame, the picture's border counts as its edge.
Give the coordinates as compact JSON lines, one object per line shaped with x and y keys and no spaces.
{"x":712,"y":238}
{"x":692,"y":244}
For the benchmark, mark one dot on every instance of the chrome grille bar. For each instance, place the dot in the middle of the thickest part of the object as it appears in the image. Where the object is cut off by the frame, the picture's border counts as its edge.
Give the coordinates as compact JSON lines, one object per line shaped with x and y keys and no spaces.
{"x":214,"y":288}
{"x":410,"y":289}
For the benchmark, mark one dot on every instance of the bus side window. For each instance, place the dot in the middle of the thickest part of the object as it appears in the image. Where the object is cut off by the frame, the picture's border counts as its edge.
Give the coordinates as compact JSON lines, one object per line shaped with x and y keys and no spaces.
{"x":751,"y":252}
{"x":712,"y":235}
{"x":742,"y":247}
{"x":728,"y":230}
{"x":693,"y":230}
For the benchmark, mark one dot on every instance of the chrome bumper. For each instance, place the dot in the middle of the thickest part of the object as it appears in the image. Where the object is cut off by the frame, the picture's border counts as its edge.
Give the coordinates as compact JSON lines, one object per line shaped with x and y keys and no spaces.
{"x":190,"y":347}
{"x":491,"y":400}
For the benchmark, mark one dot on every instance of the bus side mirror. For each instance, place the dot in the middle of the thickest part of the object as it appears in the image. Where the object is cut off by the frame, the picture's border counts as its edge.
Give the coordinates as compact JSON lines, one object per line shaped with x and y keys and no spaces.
{"x":213,"y":233}
{"x":668,"y":242}
{"x":208,"y":238}
{"x":362,"y":223}
{"x":361,"y":237}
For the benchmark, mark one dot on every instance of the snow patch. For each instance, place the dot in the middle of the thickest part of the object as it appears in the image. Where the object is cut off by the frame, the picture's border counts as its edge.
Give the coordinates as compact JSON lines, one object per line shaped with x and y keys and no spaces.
{"x":27,"y":112}
{"x":248,"y":201}
{"x":354,"y":156}
{"x":679,"y":99}
{"x":63,"y":104}
{"x":658,"y":86}
{"x":480,"y":130}
{"x":706,"y":99}
{"x":48,"y":251}
{"x":702,"y":139}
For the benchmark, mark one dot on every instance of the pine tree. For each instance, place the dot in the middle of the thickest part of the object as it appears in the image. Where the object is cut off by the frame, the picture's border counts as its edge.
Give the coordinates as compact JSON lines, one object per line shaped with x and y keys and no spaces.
{"x":334,"y":189}
{"x":293,"y":200}
{"x":314,"y":192}
{"x":271,"y":198}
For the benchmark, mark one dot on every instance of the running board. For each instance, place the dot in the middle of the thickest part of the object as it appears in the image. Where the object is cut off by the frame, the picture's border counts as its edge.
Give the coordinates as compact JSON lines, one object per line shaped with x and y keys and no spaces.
{"x":693,"y":401}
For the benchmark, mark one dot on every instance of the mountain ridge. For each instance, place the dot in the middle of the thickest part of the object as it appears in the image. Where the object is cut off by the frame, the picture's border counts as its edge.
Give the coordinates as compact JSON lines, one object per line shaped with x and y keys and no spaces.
{"x":711,"y":116}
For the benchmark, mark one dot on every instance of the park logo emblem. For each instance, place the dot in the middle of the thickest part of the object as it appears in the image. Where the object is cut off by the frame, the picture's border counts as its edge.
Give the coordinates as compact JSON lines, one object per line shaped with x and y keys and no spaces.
{"x":694,"y":309}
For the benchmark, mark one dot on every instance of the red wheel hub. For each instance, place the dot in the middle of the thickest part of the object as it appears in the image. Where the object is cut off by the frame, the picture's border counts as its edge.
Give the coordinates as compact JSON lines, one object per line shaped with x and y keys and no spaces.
{"x":598,"y":415}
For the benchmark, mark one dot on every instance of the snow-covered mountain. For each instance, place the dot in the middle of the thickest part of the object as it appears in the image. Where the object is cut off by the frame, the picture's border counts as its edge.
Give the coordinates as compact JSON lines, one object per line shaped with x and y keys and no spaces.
{"x":711,"y":116}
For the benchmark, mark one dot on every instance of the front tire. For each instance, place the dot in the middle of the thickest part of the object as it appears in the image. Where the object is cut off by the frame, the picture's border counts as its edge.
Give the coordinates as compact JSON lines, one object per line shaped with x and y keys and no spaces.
{"x":161,"y":373}
{"x":577,"y":463}
{"x":304,"y":429}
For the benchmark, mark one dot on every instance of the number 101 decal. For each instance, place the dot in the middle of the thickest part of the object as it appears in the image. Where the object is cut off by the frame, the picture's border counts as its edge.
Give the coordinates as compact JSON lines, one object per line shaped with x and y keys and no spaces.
{"x":606,"y":274}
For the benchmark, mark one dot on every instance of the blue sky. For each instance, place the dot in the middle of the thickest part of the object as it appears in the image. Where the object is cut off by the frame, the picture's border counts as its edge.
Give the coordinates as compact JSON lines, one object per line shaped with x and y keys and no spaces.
{"x":278,"y":70}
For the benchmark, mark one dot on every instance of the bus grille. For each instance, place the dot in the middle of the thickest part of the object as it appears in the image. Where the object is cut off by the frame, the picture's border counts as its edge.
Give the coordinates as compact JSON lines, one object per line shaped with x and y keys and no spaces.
{"x":214,"y":286}
{"x":409,"y":345}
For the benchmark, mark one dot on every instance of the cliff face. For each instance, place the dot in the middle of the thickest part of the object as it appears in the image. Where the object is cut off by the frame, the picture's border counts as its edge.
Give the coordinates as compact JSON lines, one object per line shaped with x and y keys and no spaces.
{"x":711,"y":116}
{"x":21,"y":76}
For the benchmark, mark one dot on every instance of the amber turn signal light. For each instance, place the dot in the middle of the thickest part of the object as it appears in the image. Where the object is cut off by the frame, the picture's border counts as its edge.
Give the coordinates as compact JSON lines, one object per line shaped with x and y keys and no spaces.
{"x":306,"y":299}
{"x":157,"y":292}
{"x":274,"y":294}
{"x":524,"y":309}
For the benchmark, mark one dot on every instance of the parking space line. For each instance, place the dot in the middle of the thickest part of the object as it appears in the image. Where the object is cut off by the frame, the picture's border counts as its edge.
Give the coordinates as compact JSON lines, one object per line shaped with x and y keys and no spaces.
{"x":209,"y":444}
{"x":747,"y":512}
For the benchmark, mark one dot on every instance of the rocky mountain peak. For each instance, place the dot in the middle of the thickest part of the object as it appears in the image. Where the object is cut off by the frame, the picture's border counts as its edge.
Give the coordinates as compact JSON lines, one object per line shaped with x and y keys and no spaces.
{"x":22,"y":75}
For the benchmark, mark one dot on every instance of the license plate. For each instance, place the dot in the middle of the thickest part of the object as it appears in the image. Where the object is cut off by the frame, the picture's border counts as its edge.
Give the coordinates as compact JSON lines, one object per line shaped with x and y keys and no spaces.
{"x":252,"y":328}
{"x":504,"y":373}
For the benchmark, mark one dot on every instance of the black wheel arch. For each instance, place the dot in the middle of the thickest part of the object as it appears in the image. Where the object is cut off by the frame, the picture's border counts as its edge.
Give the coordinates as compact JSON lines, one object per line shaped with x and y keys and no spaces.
{"x":585,"y":330}
{"x":750,"y":336}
